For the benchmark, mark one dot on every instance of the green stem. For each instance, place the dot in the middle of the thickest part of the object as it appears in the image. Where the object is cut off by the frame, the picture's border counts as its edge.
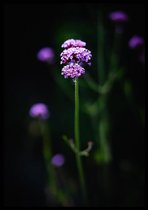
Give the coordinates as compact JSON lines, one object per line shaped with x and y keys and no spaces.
{"x":47,"y":152}
{"x":77,"y":142}
{"x":103,"y":136}
{"x":47,"y":156}
{"x":116,"y":48}
{"x":102,"y":100}
{"x":100,"y":60}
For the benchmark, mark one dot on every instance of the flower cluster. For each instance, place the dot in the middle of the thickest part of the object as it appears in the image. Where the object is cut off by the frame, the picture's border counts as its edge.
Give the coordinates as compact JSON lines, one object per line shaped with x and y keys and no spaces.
{"x":118,"y":16}
{"x":46,"y":54}
{"x":73,"y":43}
{"x":72,"y":70}
{"x":74,"y":56}
{"x":39,"y":110}
{"x":136,"y":41}
{"x":58,"y":160}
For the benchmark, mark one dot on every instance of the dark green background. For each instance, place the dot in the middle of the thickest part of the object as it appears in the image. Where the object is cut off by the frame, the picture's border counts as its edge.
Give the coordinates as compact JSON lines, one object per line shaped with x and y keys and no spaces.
{"x":29,"y":27}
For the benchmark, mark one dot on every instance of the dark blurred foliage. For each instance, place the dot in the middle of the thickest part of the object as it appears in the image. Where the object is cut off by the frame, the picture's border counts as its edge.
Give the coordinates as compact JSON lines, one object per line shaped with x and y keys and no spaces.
{"x":29,"y":27}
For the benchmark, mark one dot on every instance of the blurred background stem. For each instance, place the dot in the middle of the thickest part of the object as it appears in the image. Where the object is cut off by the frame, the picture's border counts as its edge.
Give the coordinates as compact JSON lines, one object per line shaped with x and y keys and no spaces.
{"x":114,"y":58}
{"x":100,"y":54}
{"x":103,"y":125}
{"x":51,"y":173}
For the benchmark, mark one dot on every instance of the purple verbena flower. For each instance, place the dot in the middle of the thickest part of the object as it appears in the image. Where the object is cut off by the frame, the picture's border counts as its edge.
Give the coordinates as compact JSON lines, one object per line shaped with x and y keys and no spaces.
{"x":39,"y":110}
{"x":58,"y":160}
{"x":73,"y":70}
{"x":135,"y":42}
{"x":73,"y":43}
{"x":118,"y":16}
{"x":75,"y":54}
{"x":46,"y":54}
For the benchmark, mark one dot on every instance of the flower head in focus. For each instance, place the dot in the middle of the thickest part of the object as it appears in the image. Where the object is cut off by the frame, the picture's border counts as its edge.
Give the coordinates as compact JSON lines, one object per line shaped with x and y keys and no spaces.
{"x":39,"y":110}
{"x":46,"y":54}
{"x":135,"y":42}
{"x":73,"y":43}
{"x":58,"y":160}
{"x":73,"y":70}
{"x":74,"y":56}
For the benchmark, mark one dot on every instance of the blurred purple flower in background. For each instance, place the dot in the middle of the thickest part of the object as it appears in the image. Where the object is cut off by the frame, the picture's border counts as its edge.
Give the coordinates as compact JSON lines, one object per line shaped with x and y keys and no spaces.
{"x":39,"y":110}
{"x":58,"y":160}
{"x":135,"y":41}
{"x":74,"y":56}
{"x":46,"y":54}
{"x":118,"y":16}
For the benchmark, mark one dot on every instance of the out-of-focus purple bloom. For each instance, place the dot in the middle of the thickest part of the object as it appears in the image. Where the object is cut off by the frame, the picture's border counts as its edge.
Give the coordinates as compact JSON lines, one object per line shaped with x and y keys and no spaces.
{"x":118,"y":16}
{"x":39,"y":110}
{"x":73,"y":70}
{"x":46,"y":54}
{"x":135,"y":42}
{"x":75,"y":54}
{"x":73,"y":43}
{"x":58,"y":160}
